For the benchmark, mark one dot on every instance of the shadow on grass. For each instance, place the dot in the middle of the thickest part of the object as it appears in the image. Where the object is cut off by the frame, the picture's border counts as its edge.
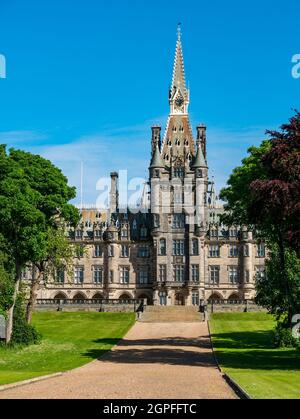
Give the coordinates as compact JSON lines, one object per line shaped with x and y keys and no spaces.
{"x":275,"y":359}
{"x":259,"y":339}
{"x":253,"y":350}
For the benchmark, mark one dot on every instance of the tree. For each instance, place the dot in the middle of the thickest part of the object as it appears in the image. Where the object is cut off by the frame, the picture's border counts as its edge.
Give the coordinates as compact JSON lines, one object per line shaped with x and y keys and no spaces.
{"x":57,"y":255}
{"x":264,"y":193}
{"x":34,"y":194}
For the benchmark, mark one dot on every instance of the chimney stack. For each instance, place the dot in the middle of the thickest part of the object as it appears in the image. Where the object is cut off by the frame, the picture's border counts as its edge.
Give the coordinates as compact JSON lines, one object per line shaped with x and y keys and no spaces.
{"x":114,"y":194}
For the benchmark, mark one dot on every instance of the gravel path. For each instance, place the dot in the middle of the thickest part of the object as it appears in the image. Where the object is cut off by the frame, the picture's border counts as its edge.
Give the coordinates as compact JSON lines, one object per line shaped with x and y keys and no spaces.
{"x":166,"y":360}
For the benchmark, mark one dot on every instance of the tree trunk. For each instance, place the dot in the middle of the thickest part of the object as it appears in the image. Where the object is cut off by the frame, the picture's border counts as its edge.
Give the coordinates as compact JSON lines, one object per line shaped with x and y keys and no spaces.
{"x":286,"y":282}
{"x":35,"y":281}
{"x":10,"y":314}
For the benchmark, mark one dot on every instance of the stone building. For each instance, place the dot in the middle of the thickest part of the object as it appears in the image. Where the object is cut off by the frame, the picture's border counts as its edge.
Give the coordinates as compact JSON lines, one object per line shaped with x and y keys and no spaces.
{"x":176,"y":252}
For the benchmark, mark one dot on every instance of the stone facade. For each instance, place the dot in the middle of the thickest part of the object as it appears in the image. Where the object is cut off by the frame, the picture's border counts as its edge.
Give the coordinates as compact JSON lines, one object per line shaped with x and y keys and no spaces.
{"x":176,"y":251}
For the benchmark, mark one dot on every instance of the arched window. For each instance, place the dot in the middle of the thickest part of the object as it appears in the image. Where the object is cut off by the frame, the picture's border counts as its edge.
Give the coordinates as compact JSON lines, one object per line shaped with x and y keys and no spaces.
{"x":79,"y":298}
{"x":98,"y":296}
{"x":60,"y":296}
{"x":125,"y":297}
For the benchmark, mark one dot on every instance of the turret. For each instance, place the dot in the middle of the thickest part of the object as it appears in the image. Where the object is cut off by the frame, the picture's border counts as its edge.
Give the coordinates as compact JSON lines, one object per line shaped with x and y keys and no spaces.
{"x":201,"y":138}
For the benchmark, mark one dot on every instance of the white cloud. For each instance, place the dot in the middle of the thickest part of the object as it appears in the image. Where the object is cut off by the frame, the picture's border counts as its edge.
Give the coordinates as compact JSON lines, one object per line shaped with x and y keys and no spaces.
{"x":129,"y":148}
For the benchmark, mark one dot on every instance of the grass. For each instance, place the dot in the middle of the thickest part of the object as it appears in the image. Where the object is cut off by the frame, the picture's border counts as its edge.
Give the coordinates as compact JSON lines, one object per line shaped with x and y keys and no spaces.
{"x":69,"y":341}
{"x":243,"y":345}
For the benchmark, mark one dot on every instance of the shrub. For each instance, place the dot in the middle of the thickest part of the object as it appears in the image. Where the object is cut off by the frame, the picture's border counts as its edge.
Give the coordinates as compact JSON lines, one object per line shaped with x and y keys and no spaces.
{"x":23,"y":333}
{"x":283,"y":337}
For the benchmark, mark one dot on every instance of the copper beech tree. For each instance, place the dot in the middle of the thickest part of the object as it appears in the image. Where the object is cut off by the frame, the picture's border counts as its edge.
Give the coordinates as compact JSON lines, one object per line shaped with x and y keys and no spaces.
{"x":264,"y":193}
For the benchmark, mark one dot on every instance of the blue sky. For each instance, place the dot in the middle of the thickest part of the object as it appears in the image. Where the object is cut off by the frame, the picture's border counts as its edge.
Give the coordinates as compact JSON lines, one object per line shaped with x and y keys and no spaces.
{"x":87,"y":79}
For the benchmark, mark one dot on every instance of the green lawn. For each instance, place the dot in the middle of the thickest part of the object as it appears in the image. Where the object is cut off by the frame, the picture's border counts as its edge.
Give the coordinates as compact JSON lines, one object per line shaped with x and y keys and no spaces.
{"x":243,"y":345}
{"x":69,"y":340}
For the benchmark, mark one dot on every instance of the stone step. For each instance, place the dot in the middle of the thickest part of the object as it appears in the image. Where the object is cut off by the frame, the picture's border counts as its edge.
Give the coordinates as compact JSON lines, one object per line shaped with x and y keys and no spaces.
{"x":163,"y":314}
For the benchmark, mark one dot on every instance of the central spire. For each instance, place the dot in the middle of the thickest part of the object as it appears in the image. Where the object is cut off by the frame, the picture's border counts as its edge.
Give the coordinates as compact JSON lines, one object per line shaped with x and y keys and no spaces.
{"x":179,"y":94}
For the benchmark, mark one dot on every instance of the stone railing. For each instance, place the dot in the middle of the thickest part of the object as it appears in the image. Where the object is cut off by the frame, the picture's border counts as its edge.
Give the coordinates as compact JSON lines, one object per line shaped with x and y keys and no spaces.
{"x":102,"y":305}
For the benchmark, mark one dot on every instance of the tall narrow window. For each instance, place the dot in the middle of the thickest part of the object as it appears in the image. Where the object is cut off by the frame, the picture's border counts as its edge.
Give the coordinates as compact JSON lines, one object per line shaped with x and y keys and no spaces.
{"x":162,"y":247}
{"x":78,"y":275}
{"x":178,"y":221}
{"x":233,"y":274}
{"x":195,"y":273}
{"x":144,"y":252}
{"x":260,"y":250}
{"x":98,"y":274}
{"x":195,"y":298}
{"x":143,"y":276}
{"x":124,"y":275}
{"x":233,"y":251}
{"x":195,"y":247}
{"x":124,"y":251}
{"x":178,"y":247}
{"x":98,"y":251}
{"x":179,"y":273}
{"x":162,"y":273}
{"x":60,"y":276}
{"x":214,"y":251}
{"x":214,"y":275}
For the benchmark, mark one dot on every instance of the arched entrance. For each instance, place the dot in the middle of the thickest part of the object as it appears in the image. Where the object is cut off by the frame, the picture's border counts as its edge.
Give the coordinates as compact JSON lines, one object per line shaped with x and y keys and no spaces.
{"x":179,"y":299}
{"x":145,"y":297}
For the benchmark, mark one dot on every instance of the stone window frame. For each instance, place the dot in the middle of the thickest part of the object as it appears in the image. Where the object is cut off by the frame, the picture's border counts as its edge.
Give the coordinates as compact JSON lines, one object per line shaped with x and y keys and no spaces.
{"x":98,"y":251}
{"x":124,"y":275}
{"x":233,"y":274}
{"x":162,"y":245}
{"x":214,"y":251}
{"x":143,"y":251}
{"x":98,"y":269}
{"x":79,"y":279}
{"x":195,"y":269}
{"x":124,"y":254}
{"x":233,"y":254}
{"x":195,"y":247}
{"x":178,"y":247}
{"x":260,"y":250}
{"x":214,"y":274}
{"x":162,"y":272}
{"x":179,"y":273}
{"x":143,"y":279}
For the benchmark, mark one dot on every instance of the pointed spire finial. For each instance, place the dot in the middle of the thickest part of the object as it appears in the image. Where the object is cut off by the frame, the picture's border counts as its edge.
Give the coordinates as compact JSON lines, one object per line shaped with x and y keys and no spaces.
{"x":179,"y":31}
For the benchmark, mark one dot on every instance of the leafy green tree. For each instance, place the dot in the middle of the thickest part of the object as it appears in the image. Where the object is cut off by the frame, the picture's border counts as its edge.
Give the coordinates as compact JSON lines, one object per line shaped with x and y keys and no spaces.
{"x":34,"y":195}
{"x":271,"y":287}
{"x":57,"y":255}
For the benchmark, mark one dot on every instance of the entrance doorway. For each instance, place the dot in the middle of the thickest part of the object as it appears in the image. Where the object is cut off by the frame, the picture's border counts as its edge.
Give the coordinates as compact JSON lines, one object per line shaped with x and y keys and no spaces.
{"x":179,"y":299}
{"x":163,"y":298}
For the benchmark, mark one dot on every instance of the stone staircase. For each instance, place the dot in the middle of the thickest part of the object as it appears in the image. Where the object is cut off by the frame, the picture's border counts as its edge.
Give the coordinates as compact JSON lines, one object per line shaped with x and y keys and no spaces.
{"x":171,"y":314}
